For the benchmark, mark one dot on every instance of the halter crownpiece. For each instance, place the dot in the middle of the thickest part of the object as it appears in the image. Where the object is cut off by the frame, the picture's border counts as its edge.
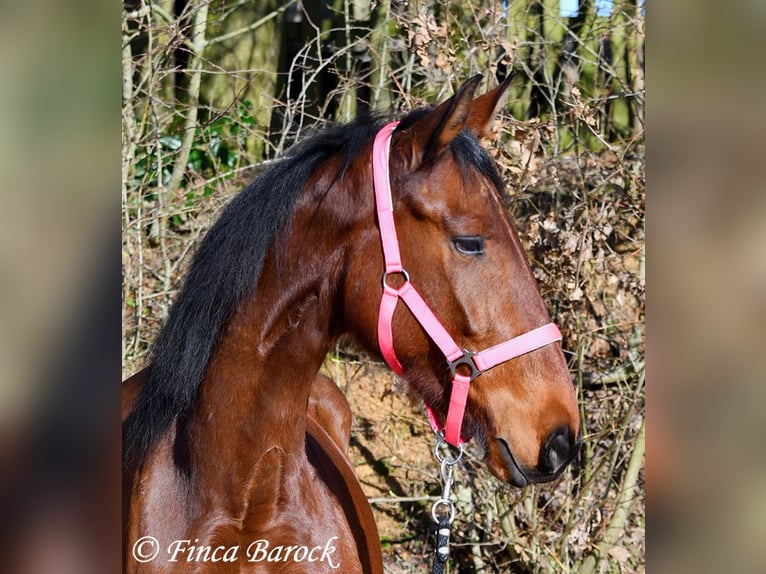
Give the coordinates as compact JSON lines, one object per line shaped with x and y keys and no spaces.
{"x":477,"y":363}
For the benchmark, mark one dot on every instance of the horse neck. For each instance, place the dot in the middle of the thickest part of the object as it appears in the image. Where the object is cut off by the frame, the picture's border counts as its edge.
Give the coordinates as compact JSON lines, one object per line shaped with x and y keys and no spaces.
{"x":255,"y":392}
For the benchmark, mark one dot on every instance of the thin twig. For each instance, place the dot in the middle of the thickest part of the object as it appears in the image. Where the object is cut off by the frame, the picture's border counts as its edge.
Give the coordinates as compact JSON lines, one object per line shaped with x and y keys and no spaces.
{"x":254,"y":26}
{"x":625,"y":500}
{"x":198,"y":42}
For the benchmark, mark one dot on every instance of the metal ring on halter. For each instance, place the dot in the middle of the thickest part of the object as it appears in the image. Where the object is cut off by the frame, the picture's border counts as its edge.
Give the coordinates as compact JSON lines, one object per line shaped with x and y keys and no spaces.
{"x":465,"y":359}
{"x":443,"y":502}
{"x":386,"y":274}
{"x":439,"y":442}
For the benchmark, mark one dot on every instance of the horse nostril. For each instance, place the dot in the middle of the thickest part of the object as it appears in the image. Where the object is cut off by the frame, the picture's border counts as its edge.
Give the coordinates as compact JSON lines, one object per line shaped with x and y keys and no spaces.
{"x":559,"y":449}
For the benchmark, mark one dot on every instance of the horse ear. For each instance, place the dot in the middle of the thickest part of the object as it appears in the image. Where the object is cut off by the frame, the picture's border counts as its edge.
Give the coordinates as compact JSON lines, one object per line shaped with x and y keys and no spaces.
{"x":432,"y":133}
{"x":485,"y":108}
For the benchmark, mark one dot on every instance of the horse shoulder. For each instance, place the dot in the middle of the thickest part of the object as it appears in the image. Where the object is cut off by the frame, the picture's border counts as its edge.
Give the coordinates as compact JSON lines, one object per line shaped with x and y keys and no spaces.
{"x":337,"y":472}
{"x":330,"y":409}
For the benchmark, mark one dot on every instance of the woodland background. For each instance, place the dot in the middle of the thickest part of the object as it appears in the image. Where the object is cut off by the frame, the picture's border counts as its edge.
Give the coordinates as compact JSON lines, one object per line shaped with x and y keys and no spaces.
{"x":214,"y":91}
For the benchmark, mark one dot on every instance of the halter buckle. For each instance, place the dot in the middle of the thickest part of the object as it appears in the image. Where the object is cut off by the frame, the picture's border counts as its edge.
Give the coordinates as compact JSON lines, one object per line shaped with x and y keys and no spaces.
{"x":467,"y":360}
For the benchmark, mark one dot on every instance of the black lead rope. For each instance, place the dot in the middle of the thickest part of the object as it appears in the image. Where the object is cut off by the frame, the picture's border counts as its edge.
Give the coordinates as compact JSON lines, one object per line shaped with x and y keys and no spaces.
{"x":442,"y":545}
{"x":443,"y":510}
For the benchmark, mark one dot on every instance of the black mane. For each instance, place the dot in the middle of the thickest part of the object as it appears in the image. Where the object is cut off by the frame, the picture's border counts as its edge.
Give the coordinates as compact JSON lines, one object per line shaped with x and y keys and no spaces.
{"x":228,"y":265}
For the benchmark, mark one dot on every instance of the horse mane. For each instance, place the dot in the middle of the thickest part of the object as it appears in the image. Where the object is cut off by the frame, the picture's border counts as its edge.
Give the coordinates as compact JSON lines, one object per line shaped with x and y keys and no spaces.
{"x":224,"y":270}
{"x":228,"y":264}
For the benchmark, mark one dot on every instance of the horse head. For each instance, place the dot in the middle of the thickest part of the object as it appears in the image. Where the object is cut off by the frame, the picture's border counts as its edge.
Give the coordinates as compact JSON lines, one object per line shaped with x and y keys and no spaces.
{"x":460,"y":251}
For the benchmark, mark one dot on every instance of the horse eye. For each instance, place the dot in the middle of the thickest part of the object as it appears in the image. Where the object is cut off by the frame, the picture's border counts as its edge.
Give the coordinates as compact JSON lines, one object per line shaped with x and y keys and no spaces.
{"x":469,"y":244}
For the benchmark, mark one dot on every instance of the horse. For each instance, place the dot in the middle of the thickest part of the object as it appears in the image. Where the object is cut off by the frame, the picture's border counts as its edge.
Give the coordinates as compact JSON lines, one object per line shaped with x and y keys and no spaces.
{"x":328,"y":433}
{"x":324,"y":244}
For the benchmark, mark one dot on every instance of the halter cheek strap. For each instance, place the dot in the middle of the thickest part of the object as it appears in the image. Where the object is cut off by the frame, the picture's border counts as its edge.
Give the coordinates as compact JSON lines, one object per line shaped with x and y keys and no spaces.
{"x":477,"y":363}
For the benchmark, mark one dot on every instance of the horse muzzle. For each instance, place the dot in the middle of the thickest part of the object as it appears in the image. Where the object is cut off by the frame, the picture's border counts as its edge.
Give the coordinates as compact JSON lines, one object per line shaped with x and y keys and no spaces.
{"x":559,"y":449}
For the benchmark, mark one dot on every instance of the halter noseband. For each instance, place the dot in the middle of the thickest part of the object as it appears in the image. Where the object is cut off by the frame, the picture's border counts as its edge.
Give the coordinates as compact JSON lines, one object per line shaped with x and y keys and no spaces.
{"x":479,"y":362}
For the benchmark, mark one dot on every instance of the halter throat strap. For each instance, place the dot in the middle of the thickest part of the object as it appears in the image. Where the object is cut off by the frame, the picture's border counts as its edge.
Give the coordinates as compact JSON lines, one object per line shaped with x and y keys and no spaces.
{"x":476,"y":363}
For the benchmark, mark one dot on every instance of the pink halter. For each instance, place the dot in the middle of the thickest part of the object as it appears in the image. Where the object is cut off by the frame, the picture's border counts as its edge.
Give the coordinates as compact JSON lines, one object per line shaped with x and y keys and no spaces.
{"x":476,"y":362}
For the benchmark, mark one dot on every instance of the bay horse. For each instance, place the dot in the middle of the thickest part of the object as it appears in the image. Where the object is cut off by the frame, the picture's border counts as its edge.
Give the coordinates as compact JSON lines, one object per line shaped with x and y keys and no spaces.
{"x":216,"y":431}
